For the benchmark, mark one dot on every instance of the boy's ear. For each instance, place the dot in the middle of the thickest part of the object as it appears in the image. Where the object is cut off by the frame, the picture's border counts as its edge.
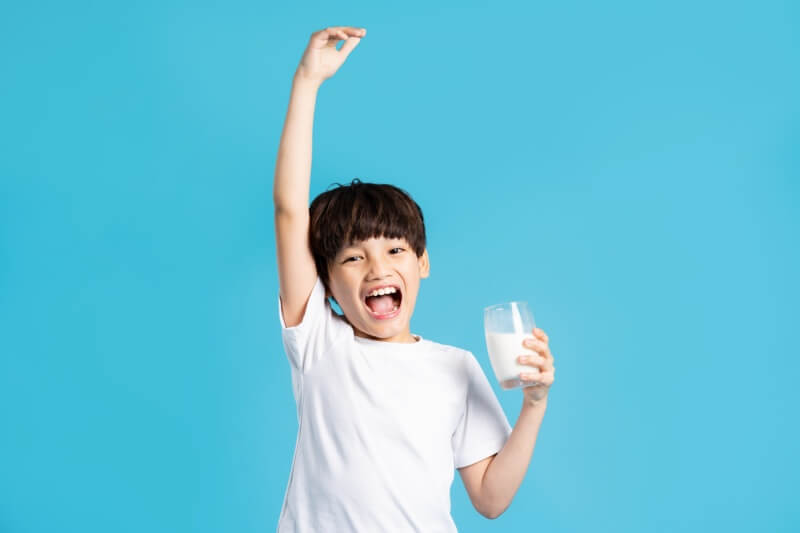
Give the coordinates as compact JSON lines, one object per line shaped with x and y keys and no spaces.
{"x":328,"y":294}
{"x":424,"y":264}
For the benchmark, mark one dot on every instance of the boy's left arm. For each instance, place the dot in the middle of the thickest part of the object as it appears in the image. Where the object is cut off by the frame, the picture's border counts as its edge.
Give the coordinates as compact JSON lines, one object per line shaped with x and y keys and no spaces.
{"x":493,"y":482}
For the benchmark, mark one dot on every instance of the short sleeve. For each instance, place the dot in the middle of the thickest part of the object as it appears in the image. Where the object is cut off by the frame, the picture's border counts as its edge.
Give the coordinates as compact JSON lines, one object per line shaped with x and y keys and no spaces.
{"x":307,"y":341}
{"x":483,"y":429}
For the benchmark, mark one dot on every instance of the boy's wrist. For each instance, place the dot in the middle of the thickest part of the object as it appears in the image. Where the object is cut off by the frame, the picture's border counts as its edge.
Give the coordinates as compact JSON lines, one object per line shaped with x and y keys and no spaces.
{"x":301,"y":80}
{"x":540,"y":404}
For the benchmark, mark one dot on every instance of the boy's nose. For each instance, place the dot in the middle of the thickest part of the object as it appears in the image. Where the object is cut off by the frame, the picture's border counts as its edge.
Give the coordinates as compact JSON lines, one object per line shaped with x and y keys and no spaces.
{"x":377,"y":270}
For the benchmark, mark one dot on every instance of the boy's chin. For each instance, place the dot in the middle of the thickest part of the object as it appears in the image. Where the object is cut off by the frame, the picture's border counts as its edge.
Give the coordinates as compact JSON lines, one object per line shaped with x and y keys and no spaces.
{"x":382,"y":331}
{"x":389,"y":330}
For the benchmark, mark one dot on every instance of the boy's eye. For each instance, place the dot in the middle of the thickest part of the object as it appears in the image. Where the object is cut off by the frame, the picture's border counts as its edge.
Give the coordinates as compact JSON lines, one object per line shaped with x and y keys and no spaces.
{"x":393,"y":251}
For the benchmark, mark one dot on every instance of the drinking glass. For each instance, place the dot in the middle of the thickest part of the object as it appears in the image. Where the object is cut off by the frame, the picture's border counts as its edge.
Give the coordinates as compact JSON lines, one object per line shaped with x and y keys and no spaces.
{"x":506,"y":325}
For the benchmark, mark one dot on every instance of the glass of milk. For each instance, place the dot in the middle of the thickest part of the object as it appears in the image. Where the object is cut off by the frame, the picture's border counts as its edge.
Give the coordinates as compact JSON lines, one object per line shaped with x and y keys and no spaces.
{"x":506,"y":326}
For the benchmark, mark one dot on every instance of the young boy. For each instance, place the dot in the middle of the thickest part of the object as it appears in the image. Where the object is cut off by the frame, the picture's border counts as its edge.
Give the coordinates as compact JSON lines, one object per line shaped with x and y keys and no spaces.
{"x":384,"y":415}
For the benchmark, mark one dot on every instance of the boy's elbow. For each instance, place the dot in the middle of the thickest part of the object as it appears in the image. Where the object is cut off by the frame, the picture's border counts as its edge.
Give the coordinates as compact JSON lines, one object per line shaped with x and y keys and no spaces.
{"x":492,"y":515}
{"x":493,"y":512}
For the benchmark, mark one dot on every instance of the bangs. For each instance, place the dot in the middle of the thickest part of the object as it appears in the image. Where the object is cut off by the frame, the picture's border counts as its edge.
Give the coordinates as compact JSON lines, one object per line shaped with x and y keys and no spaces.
{"x":374,"y":215}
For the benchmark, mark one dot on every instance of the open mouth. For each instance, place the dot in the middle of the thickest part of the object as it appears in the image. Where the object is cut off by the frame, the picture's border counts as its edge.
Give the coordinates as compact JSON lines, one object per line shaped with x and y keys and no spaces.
{"x":384,"y":302}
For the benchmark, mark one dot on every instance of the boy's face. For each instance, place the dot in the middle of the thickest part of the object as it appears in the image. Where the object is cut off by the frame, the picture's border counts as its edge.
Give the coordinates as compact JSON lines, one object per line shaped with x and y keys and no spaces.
{"x":362,"y":267}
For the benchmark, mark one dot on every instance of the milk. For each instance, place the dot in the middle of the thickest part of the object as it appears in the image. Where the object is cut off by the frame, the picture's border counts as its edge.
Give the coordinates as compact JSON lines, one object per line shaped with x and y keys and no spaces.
{"x":504,"y":349}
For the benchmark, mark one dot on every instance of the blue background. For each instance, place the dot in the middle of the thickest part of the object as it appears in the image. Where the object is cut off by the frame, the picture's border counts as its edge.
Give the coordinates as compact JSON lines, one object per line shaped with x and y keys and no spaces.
{"x":631,"y":169}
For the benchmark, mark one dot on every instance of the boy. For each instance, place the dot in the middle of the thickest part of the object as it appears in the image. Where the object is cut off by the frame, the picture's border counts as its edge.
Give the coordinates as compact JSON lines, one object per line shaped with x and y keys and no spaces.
{"x":384,"y":415}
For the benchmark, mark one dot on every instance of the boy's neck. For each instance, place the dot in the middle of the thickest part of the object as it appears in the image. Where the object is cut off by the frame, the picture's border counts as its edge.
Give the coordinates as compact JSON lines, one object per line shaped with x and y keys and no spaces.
{"x":404,"y":337}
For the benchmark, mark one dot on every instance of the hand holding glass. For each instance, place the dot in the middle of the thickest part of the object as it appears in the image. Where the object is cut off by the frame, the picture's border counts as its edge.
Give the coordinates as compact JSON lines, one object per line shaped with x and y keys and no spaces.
{"x":506,"y":326}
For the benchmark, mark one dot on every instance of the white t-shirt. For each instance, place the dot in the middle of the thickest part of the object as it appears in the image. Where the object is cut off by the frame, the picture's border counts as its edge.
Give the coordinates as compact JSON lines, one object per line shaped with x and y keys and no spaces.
{"x":381,"y":427}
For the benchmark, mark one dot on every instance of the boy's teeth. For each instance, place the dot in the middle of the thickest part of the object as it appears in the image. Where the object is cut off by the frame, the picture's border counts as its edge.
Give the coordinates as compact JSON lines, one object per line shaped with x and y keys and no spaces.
{"x":381,"y":292}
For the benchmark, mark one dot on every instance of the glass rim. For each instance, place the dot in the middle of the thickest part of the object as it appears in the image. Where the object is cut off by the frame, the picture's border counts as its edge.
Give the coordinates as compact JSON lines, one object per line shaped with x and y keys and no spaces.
{"x":490,"y":307}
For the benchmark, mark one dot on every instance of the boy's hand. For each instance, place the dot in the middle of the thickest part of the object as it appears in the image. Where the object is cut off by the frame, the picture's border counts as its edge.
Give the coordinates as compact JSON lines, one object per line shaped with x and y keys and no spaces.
{"x":543,"y":373}
{"x":321,"y":59}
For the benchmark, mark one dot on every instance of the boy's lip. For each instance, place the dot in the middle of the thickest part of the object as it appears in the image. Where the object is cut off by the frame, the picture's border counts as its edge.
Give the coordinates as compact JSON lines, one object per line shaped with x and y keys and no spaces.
{"x":390,"y":314}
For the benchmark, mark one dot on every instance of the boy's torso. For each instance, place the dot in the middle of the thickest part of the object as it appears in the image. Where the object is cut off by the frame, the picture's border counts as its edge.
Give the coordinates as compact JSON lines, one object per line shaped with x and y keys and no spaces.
{"x":375,"y":425}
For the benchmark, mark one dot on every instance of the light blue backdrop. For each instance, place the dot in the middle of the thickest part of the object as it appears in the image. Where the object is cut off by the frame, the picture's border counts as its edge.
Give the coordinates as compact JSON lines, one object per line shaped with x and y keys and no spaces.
{"x":631,"y":169}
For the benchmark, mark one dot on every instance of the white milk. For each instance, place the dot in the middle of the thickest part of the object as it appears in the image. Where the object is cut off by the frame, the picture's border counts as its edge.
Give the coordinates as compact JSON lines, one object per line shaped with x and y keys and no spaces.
{"x":504,"y":348}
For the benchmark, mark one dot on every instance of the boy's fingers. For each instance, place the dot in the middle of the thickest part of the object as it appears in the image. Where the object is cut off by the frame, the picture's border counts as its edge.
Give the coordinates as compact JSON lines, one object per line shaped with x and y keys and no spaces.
{"x":535,"y":344}
{"x":348,"y":33}
{"x":349,"y":45}
{"x":332,"y":35}
{"x":532,"y":360}
{"x":326,"y":33}
{"x":352,"y":30}
{"x":347,"y":30}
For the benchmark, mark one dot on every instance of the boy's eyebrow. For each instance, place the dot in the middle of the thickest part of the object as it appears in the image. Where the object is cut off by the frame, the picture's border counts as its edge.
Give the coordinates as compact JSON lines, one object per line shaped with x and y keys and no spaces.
{"x":345,"y":249}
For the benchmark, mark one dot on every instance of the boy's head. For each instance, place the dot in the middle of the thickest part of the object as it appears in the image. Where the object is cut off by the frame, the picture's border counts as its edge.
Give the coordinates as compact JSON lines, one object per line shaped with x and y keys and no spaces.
{"x":365,"y":236}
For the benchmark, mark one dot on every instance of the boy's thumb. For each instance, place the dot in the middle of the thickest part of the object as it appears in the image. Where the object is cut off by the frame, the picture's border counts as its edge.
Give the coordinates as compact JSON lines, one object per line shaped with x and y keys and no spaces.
{"x":349,"y":45}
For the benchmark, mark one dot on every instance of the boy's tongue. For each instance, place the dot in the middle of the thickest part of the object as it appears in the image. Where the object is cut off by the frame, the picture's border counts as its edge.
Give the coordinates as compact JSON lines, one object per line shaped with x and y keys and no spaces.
{"x":380,"y":304}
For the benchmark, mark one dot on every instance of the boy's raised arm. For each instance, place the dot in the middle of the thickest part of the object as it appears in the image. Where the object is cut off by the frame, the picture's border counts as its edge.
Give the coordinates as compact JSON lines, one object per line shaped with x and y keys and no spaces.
{"x":296,"y":269}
